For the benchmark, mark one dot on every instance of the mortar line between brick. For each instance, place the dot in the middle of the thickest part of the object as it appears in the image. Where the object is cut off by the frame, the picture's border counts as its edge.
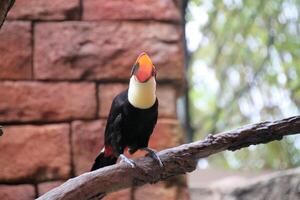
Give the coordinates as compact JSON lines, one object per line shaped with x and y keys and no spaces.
{"x":132,"y":191}
{"x":32,"y":50}
{"x":30,"y":182}
{"x":101,"y":20}
{"x":36,"y":190}
{"x":125,"y":81}
{"x":72,"y":165}
{"x":80,"y":10}
{"x":41,"y":123}
{"x":97,"y":100}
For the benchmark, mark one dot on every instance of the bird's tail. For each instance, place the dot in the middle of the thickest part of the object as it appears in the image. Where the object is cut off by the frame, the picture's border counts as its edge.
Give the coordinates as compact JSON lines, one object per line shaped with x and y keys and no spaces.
{"x":102,"y":161}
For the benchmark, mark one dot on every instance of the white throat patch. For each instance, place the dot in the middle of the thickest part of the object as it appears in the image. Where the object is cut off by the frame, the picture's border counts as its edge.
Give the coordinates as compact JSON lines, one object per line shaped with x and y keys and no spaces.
{"x":142,"y":95}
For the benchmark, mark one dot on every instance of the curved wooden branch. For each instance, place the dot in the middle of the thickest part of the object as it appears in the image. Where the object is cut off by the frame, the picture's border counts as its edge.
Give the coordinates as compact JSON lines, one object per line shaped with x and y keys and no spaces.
{"x":177,"y":160}
{"x":5,"y":6}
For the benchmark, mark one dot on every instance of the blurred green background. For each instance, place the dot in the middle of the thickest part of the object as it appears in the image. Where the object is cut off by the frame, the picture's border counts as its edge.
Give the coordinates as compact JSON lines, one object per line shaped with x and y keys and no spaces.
{"x":244,"y":68}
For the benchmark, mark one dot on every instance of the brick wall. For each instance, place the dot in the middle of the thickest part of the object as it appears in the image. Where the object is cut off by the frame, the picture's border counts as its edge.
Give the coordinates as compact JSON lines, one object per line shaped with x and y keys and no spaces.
{"x":61,"y":63}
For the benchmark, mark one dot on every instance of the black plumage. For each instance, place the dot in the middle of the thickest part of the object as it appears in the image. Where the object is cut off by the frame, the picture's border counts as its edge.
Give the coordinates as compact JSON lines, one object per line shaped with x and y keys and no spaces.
{"x":127,"y":126}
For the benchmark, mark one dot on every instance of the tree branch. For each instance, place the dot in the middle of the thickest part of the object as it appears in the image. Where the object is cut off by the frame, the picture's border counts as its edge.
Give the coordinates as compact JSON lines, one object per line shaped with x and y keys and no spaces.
{"x":5,"y":6}
{"x":177,"y":160}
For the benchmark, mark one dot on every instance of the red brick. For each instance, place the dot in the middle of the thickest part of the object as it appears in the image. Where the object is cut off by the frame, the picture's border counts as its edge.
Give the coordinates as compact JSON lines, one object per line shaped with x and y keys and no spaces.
{"x":156,"y":191}
{"x":105,"y":50}
{"x":17,"y":192}
{"x":45,"y":10}
{"x":87,"y":142}
{"x":15,"y":62}
{"x":120,"y":195}
{"x":183,"y":193}
{"x":35,"y":101}
{"x":35,"y":153}
{"x":131,"y":9}
{"x":167,"y":134}
{"x":47,"y":186}
{"x":166,"y":95}
{"x":106,"y":94}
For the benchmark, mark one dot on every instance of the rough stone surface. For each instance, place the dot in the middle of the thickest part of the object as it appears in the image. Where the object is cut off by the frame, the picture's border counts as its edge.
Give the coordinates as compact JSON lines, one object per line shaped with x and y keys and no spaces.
{"x":166,"y":95}
{"x":35,"y":101}
{"x":279,"y":185}
{"x":45,"y":10}
{"x":87,"y":142}
{"x":158,"y":192}
{"x":167,"y":10}
{"x":16,"y":60}
{"x":167,"y":133}
{"x":183,"y":193}
{"x":35,"y":153}
{"x":171,"y":133}
{"x":63,"y":62}
{"x":106,"y":94}
{"x":47,"y":186}
{"x":105,"y":50}
{"x":120,"y":195}
{"x":17,"y":192}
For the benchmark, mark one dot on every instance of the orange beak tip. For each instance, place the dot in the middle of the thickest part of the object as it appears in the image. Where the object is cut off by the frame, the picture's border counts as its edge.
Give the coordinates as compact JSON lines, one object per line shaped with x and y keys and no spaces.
{"x":145,"y":68}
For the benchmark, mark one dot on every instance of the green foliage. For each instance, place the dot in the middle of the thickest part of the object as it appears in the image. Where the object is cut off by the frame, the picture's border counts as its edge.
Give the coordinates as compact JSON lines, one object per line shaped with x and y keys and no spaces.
{"x":245,"y":68}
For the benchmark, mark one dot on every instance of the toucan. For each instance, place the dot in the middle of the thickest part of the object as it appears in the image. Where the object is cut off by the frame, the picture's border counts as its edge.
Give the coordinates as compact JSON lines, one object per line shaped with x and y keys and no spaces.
{"x":132,"y":117}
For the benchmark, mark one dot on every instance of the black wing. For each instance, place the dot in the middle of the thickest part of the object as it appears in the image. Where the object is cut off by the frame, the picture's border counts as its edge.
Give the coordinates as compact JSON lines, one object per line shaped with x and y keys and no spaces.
{"x":113,"y":134}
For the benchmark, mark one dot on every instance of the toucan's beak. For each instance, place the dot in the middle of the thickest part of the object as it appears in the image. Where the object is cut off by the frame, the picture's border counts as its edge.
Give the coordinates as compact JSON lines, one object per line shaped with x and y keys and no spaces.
{"x":143,"y":68}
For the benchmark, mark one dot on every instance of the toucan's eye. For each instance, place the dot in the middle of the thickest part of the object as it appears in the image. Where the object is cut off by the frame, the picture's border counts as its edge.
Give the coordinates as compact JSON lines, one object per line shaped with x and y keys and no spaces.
{"x":134,"y":68}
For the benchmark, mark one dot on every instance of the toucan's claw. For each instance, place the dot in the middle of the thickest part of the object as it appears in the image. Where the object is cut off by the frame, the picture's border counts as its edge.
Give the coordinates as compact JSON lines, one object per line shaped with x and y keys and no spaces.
{"x":153,"y":154}
{"x":127,"y":160}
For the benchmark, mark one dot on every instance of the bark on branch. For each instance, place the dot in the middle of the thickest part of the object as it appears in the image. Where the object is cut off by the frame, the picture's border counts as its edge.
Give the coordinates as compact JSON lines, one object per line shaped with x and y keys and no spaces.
{"x":5,"y":6}
{"x":177,"y":160}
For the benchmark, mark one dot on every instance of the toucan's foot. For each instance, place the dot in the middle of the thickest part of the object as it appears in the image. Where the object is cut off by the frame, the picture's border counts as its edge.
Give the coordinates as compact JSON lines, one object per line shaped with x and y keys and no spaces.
{"x":127,"y":160}
{"x":153,"y":154}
